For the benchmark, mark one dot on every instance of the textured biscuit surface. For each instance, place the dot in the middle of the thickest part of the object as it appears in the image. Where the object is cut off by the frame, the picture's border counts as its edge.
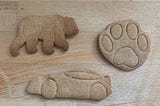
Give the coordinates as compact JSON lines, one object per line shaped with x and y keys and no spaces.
{"x":124,"y":44}
{"x":50,"y":29}
{"x":78,"y":84}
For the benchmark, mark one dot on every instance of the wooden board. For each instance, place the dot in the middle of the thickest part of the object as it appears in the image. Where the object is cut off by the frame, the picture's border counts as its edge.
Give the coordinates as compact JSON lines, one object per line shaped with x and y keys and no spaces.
{"x":137,"y":88}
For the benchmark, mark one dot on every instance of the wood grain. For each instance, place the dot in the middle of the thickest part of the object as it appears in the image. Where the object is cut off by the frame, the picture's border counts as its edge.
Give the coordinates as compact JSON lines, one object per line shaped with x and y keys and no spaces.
{"x":136,"y":88}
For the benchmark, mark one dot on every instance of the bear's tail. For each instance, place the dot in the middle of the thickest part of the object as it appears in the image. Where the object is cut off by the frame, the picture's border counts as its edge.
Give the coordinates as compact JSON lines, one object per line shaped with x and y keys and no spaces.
{"x":17,"y":42}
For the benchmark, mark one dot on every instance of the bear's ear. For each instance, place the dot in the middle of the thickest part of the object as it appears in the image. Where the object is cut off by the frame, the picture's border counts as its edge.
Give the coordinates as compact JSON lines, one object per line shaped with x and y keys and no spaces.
{"x":71,"y":19}
{"x":66,"y":19}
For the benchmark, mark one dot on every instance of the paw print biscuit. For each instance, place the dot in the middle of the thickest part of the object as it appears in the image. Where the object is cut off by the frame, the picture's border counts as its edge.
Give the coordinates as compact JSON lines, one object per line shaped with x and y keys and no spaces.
{"x":50,"y":29}
{"x":124,"y":44}
{"x":78,"y":84}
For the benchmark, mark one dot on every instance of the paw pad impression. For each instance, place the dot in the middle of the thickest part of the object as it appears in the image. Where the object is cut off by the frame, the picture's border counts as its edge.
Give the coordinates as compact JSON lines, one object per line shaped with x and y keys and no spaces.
{"x":124,"y":44}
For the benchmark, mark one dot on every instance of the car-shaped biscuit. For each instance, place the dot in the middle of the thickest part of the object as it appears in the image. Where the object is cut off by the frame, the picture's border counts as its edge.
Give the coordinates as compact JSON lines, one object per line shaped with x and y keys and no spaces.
{"x":78,"y":84}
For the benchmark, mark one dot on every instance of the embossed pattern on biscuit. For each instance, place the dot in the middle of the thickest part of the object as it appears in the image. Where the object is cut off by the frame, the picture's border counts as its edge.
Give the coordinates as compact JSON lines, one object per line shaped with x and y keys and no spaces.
{"x":78,"y":84}
{"x":124,"y":44}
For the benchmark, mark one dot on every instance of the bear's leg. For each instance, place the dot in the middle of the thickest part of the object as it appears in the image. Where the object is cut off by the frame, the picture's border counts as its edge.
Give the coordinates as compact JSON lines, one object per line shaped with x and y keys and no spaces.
{"x":61,"y":42}
{"x":16,"y":44}
{"x":47,"y":46}
{"x":31,"y":44}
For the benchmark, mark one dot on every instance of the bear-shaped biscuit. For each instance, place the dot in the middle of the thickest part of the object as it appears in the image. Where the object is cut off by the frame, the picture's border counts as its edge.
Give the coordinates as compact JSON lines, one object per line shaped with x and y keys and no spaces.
{"x":50,"y":29}
{"x":78,"y":84}
{"x":124,"y":44}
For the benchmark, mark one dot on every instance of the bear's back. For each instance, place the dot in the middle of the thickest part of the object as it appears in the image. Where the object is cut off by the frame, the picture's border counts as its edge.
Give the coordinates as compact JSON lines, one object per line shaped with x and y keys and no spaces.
{"x":37,"y":23}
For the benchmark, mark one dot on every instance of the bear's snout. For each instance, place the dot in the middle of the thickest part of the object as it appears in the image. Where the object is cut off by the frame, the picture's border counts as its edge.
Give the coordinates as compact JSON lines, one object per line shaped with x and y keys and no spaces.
{"x":76,"y":31}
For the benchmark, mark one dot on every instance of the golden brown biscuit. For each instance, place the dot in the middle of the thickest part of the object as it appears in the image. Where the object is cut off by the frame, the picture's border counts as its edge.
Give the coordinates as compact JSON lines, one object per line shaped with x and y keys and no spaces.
{"x":78,"y":84}
{"x":51,"y":29}
{"x":124,"y":44}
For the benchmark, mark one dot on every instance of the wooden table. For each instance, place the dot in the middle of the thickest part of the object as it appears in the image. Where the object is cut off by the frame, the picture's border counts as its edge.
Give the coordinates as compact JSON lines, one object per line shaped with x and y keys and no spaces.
{"x":137,"y":88}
